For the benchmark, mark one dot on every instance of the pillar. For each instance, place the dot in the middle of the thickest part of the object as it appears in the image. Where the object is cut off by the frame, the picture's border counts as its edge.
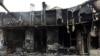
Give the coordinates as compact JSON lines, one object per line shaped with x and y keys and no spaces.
{"x":1,"y":39}
{"x":29,"y":39}
{"x":79,"y":42}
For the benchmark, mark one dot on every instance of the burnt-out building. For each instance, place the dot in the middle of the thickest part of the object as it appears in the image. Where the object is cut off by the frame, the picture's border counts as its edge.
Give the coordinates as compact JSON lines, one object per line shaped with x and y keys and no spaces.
{"x":71,"y":31}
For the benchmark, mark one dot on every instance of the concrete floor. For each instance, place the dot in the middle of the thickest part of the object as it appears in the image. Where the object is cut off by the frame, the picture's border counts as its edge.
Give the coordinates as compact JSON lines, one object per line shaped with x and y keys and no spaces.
{"x":45,"y":54}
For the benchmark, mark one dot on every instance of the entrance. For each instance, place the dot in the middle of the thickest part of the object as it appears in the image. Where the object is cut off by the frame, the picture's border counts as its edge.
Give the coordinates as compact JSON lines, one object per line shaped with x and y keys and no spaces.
{"x":67,"y":41}
{"x":14,"y":39}
{"x":40,"y":39}
{"x":85,"y":43}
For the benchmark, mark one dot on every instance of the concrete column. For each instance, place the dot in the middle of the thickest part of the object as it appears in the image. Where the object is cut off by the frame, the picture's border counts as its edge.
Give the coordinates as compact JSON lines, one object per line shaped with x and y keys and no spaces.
{"x":1,"y":39}
{"x":29,"y":39}
{"x":79,"y":42}
{"x":3,"y":49}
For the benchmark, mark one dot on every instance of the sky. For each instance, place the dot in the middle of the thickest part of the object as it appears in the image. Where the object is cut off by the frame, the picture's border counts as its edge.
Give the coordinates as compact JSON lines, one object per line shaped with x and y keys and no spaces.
{"x":24,"y":5}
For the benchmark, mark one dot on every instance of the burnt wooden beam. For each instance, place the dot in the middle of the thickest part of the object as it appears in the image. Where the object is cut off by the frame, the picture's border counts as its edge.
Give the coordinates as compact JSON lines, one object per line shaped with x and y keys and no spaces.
{"x":7,"y":10}
{"x":1,"y":3}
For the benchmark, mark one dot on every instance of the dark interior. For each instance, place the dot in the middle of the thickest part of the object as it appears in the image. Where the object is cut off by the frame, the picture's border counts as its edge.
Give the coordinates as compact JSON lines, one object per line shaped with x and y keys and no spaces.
{"x":40,"y":39}
{"x":14,"y":39}
{"x":95,"y":42}
{"x":65,"y":39}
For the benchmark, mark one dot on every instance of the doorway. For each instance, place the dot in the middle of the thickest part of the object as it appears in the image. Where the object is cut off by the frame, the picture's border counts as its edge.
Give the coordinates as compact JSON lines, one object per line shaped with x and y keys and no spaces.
{"x":14,"y":38}
{"x":67,"y":41}
{"x":85,"y":43}
{"x":40,"y":40}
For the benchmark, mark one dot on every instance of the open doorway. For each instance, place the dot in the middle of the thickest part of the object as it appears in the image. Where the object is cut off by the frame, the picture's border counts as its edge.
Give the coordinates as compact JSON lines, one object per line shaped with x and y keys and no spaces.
{"x":67,"y":41}
{"x":95,"y":42}
{"x":14,"y":38}
{"x":40,"y":39}
{"x":85,"y":43}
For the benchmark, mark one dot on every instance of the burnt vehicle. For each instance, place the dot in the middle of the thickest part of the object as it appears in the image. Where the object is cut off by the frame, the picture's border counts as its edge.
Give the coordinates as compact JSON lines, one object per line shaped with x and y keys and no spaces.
{"x":56,"y":32}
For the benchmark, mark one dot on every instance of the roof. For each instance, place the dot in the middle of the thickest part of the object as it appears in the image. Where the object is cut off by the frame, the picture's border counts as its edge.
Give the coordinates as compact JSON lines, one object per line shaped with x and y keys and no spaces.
{"x":36,"y":17}
{"x":56,"y":7}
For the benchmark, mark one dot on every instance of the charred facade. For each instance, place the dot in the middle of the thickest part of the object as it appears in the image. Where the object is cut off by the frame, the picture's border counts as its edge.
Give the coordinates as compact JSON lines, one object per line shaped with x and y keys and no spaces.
{"x":71,"y":31}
